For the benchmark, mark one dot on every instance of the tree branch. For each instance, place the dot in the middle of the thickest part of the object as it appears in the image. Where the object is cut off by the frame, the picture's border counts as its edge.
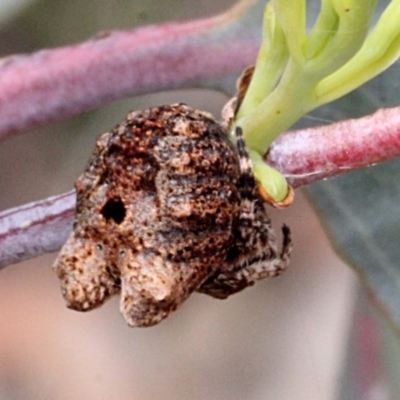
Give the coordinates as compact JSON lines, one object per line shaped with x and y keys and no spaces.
{"x":51,"y":85}
{"x":35,"y":228}
{"x":309,"y":155}
{"x":304,"y":156}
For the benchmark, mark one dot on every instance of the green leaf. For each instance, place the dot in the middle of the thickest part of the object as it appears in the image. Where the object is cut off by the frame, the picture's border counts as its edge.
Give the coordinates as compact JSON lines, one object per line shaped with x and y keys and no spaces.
{"x":380,"y":50}
{"x":361,"y":211}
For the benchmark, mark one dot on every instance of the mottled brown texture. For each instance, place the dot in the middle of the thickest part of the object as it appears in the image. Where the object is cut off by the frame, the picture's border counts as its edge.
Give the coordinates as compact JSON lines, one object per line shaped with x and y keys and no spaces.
{"x":166,"y":207}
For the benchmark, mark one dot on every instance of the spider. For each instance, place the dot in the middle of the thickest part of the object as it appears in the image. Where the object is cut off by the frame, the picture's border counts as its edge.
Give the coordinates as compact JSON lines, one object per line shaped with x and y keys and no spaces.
{"x":167,"y":206}
{"x":254,"y":254}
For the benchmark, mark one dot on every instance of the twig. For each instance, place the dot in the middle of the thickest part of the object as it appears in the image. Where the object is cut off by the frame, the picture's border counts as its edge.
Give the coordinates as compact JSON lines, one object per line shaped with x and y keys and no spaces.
{"x":35,"y":228}
{"x":51,"y":85}
{"x":309,"y":155}
{"x":304,"y":156}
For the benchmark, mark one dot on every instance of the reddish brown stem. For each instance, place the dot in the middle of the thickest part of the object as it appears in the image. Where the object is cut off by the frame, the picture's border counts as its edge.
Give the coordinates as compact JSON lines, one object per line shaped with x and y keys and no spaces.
{"x":35,"y":228}
{"x":309,"y":155}
{"x":304,"y":156}
{"x":51,"y":85}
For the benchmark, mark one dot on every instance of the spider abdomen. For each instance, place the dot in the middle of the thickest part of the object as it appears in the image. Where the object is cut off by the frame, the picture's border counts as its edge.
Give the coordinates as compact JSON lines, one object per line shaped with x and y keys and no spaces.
{"x":160,"y":189}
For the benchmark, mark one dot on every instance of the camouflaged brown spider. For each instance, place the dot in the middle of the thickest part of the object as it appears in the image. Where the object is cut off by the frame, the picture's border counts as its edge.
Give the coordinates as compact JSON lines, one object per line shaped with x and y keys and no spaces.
{"x":167,"y":206}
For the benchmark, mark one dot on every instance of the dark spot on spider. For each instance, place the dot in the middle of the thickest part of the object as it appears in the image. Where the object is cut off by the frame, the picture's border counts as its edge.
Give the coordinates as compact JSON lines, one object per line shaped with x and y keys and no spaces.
{"x":114,"y":148}
{"x":232,"y":254}
{"x":104,"y":177}
{"x":114,"y":273}
{"x":114,"y":209}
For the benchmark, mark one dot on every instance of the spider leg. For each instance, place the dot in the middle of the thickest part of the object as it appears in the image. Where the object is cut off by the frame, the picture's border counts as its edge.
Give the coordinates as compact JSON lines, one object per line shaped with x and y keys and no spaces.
{"x":247,"y":183}
{"x":254,"y":254}
{"x":264,"y":264}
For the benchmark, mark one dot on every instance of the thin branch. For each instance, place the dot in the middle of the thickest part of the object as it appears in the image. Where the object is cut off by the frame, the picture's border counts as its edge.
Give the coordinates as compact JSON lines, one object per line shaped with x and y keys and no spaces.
{"x":309,"y":155}
{"x":35,"y":228}
{"x":51,"y":85}
{"x":303,"y":156}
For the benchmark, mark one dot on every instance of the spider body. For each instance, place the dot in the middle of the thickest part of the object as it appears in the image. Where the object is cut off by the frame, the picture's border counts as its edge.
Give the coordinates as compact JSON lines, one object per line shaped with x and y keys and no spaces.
{"x":166,"y":206}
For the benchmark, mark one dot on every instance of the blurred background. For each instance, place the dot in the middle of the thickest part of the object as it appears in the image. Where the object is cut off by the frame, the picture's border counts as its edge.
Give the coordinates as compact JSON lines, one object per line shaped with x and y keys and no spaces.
{"x":282,"y":339}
